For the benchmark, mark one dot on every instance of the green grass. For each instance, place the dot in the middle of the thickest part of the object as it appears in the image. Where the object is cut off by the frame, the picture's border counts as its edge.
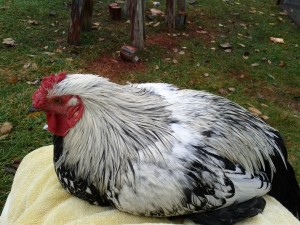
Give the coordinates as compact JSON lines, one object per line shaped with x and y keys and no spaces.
{"x":247,"y":22}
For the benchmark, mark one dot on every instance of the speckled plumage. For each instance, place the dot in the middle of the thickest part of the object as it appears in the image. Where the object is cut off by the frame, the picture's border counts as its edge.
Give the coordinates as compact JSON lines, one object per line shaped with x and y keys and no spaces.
{"x":154,"y":150}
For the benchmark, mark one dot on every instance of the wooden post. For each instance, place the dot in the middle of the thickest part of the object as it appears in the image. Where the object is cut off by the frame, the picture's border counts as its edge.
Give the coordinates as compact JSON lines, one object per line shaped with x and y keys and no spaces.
{"x":75,"y":22}
{"x":137,"y":21}
{"x":87,"y":15}
{"x":170,"y":13}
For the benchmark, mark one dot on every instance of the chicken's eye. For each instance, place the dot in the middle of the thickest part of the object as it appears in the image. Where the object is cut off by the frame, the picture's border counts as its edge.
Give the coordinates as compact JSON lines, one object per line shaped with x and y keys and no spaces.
{"x":57,"y":100}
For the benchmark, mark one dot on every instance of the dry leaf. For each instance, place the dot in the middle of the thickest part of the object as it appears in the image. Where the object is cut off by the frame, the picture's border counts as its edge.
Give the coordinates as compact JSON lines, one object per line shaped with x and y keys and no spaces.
{"x":255,"y":64}
{"x":175,"y":61}
{"x":6,"y":128}
{"x":254,"y":111}
{"x":246,"y":55}
{"x":282,"y":64}
{"x":26,"y":66}
{"x":232,"y":89}
{"x":156,"y":24}
{"x":277,"y":40}
{"x":33,"y":22}
{"x":264,"y":117}
{"x":226,"y":46}
{"x":181,"y":53}
{"x":156,"y":12}
{"x":2,"y":137}
{"x":222,"y":91}
{"x":13,"y":79}
{"x":206,"y":74}
{"x":9,"y":42}
{"x":33,"y":82}
{"x":264,"y":105}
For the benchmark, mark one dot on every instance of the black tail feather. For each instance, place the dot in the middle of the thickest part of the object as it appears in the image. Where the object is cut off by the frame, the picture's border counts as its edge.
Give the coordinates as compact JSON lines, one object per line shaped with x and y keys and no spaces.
{"x":231,"y":214}
{"x":286,"y":189}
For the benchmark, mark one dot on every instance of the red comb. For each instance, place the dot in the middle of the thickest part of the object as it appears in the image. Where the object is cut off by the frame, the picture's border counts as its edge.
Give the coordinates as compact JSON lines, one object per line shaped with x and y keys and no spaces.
{"x":39,"y":97}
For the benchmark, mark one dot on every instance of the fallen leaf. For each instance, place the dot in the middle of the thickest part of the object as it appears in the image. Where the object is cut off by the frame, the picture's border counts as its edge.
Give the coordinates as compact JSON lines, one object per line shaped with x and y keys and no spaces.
{"x":12,"y":79}
{"x":255,"y":64}
{"x":246,"y":55}
{"x":156,"y":24}
{"x":232,"y":89}
{"x":3,"y":137}
{"x":33,"y":22}
{"x":226,"y":46}
{"x":254,"y":111}
{"x":156,"y":12}
{"x":277,"y":40}
{"x":264,"y":117}
{"x":6,"y":128}
{"x":181,"y":53}
{"x":26,"y":66}
{"x":222,"y":91}
{"x":228,"y":50}
{"x":33,"y":82}
{"x":9,"y":42}
{"x":282,"y":64}
{"x":206,"y":74}
{"x":175,"y":61}
{"x":241,"y":45}
{"x":48,"y":53}
{"x":264,"y":105}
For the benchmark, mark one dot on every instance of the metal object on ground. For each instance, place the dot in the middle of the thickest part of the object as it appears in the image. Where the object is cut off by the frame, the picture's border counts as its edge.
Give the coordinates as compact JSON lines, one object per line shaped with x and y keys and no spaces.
{"x":115,"y":11}
{"x":129,"y":53}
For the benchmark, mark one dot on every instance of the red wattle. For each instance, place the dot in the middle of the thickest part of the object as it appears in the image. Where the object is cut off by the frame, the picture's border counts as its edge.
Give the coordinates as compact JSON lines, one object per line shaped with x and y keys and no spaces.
{"x":57,"y":124}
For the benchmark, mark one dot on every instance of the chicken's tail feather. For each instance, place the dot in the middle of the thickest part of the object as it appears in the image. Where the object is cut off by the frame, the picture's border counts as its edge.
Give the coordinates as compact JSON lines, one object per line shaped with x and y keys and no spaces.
{"x":230,"y":214}
{"x":286,"y":189}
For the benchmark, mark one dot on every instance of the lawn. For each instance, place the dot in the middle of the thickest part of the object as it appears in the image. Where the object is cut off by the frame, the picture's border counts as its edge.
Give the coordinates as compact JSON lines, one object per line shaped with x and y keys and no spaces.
{"x":254,"y":72}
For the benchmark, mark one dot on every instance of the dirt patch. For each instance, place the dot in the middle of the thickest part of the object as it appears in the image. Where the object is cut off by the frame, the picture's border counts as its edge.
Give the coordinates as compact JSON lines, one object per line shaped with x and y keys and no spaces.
{"x":114,"y":68}
{"x":162,"y":40}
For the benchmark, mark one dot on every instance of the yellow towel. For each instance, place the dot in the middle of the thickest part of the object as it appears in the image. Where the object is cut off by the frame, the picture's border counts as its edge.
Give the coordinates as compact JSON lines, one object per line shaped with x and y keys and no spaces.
{"x":37,"y":197}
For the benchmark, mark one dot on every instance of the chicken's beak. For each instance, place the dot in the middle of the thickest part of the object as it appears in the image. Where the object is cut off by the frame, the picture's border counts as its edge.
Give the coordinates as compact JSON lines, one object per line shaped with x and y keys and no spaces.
{"x":33,"y":110}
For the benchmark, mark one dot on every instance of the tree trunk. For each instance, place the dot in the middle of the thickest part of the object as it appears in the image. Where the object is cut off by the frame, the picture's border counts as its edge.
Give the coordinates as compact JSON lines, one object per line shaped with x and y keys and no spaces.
{"x":75,"y":22}
{"x":181,"y":14}
{"x":170,"y":14}
{"x":137,"y":21}
{"x":181,"y":5}
{"x":87,"y":15}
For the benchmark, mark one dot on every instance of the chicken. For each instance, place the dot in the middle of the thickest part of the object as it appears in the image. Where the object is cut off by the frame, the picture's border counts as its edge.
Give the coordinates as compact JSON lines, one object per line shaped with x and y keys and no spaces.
{"x":155,"y":150}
